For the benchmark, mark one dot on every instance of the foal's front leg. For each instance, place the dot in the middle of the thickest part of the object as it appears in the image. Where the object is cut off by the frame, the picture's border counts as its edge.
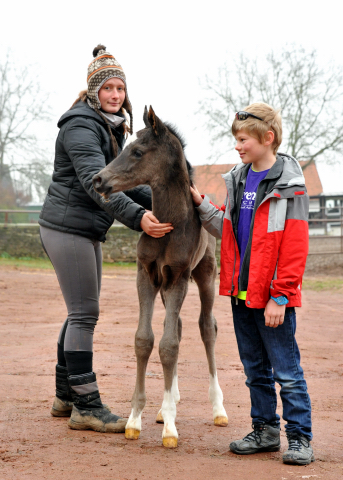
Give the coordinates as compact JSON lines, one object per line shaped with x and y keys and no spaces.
{"x":174,"y":296}
{"x":176,"y":393}
{"x":144,"y":342}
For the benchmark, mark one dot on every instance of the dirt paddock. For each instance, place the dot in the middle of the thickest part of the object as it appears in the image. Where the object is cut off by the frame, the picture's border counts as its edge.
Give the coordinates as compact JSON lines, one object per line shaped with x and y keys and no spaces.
{"x":34,"y":445}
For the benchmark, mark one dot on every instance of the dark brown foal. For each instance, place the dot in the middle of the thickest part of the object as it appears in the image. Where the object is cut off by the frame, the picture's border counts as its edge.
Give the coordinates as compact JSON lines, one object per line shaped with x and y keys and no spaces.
{"x":165,"y":265}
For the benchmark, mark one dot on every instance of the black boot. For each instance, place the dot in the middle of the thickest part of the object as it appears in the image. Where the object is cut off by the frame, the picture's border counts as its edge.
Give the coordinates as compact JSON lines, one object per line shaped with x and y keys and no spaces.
{"x":63,"y":402}
{"x":88,"y":411}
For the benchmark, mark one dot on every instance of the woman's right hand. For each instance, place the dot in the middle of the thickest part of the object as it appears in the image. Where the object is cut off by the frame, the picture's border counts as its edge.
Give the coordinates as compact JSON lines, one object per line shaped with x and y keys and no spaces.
{"x":151,"y":226}
{"x":197,"y":198}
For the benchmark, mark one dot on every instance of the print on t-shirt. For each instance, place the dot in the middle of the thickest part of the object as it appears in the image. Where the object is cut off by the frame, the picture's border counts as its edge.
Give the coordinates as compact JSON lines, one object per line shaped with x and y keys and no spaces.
{"x":248,"y":200}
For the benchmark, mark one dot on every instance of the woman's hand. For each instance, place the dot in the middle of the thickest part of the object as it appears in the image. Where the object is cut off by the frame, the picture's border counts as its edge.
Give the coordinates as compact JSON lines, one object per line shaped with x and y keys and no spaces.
{"x":197,"y":198}
{"x":151,"y":226}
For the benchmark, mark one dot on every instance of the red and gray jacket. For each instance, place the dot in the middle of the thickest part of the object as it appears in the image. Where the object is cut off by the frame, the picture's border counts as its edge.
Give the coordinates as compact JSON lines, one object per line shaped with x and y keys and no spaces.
{"x":275,"y":257}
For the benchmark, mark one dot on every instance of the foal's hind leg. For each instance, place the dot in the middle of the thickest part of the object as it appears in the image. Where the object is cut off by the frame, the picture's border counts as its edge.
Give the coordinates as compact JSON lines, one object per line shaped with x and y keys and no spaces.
{"x":204,"y":275}
{"x":144,"y":342}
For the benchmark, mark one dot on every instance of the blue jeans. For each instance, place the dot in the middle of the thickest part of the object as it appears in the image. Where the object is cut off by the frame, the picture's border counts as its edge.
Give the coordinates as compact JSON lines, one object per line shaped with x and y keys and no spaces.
{"x":272,"y":355}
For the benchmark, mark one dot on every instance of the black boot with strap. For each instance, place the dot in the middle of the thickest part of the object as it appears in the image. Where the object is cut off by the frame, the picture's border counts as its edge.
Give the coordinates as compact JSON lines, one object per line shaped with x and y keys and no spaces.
{"x":88,"y":412}
{"x":63,"y":402}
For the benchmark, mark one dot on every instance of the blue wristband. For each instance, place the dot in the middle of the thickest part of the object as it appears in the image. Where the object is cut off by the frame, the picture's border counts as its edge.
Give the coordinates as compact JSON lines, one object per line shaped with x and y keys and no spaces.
{"x":280,"y":300}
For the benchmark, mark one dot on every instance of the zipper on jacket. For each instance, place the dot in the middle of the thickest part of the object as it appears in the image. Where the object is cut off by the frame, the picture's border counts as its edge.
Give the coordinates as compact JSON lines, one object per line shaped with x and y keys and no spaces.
{"x":234,"y":266}
{"x":238,"y":204}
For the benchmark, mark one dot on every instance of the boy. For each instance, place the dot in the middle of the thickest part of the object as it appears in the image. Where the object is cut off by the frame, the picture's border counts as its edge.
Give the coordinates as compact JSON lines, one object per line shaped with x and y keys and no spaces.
{"x":264,"y":231}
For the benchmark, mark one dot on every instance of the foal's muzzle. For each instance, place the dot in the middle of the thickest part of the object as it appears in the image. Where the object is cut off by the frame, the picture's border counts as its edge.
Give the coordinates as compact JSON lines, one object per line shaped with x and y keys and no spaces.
{"x":100,"y":186}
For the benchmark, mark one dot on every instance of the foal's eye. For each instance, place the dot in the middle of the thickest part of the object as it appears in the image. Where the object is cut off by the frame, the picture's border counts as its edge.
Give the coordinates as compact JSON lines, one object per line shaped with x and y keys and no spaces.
{"x":137,"y":153}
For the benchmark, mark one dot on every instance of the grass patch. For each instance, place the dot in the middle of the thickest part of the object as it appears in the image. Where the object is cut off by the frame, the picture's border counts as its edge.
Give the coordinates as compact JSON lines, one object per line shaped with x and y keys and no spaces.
{"x":110,"y":267}
{"x":322,"y":284}
{"x":45,"y":264}
{"x":25,"y":262}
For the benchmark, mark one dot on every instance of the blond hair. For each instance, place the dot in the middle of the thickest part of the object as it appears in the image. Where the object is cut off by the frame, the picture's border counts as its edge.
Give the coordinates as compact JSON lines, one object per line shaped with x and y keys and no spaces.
{"x":258,"y":128}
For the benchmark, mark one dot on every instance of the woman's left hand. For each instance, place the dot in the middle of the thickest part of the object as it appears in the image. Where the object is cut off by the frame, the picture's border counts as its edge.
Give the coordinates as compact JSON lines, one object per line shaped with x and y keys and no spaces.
{"x":151,"y":226}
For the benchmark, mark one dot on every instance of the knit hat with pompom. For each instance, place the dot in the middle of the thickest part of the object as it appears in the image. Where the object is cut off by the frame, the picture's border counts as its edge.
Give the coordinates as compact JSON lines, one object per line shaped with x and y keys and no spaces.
{"x":102,"y":68}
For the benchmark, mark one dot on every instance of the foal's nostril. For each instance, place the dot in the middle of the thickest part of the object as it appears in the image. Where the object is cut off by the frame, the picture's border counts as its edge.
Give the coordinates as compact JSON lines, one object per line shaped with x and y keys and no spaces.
{"x":97,"y":181}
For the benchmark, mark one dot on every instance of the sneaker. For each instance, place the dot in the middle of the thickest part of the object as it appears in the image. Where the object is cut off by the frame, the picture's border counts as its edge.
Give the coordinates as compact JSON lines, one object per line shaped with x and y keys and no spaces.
{"x":299,"y":450}
{"x":264,"y":438}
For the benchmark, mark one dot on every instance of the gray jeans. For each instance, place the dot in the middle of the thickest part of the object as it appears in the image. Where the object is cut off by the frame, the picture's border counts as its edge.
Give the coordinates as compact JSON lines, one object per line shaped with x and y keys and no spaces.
{"x":77,"y":262}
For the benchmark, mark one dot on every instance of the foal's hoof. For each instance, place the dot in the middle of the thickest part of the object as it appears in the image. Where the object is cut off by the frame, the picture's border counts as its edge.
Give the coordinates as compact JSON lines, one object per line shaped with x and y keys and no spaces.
{"x":132,"y":433}
{"x":169,"y":442}
{"x":159,"y":418}
{"x":221,"y":422}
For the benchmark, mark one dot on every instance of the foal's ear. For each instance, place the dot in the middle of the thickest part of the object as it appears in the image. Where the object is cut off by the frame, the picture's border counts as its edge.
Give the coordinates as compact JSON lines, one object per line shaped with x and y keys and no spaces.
{"x":145,"y":117}
{"x":156,"y":124}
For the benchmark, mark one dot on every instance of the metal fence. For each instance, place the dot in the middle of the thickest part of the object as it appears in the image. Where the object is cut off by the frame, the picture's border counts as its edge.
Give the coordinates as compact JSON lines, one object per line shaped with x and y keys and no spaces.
{"x":11,"y":216}
{"x":326,"y":230}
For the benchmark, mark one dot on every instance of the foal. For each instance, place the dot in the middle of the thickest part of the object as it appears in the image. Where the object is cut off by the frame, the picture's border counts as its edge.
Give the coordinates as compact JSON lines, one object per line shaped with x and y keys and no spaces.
{"x":166,"y":264}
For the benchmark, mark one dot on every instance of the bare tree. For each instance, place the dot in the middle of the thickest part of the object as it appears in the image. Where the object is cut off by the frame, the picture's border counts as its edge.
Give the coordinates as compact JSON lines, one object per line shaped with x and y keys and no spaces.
{"x":309,"y":96}
{"x":22,"y":106}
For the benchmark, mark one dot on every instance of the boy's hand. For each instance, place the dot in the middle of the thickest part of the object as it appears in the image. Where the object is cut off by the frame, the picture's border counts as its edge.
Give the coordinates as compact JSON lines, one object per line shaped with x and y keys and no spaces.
{"x":274,"y":314}
{"x":151,"y":226}
{"x":197,"y":198}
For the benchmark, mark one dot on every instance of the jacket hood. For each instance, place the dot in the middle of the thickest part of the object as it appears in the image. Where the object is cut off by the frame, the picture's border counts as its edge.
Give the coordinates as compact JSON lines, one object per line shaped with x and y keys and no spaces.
{"x":292,"y":173}
{"x":82,"y":109}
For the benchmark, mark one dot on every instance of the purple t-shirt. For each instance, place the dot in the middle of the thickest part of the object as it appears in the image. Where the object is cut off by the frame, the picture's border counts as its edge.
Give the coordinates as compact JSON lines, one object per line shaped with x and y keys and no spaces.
{"x":247,"y":208}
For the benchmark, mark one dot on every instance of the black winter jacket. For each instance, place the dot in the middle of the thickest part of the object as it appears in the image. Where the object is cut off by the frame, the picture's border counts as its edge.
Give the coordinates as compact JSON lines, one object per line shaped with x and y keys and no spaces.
{"x":83,"y":148}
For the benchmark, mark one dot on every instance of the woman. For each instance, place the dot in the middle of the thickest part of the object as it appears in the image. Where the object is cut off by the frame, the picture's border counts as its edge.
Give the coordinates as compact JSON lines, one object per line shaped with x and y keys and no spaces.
{"x":73,"y":222}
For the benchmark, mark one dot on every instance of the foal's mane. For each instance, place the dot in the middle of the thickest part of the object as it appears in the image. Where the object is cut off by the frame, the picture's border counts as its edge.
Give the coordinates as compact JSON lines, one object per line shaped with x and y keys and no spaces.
{"x":174,"y":131}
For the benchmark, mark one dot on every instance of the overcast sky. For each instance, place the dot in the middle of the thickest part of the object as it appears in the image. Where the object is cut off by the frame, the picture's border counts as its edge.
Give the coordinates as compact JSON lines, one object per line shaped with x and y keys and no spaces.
{"x":165,"y":48}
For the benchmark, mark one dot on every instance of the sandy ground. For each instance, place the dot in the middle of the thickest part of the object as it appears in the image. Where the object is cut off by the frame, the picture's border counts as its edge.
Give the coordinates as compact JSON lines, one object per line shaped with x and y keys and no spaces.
{"x":35,"y":445}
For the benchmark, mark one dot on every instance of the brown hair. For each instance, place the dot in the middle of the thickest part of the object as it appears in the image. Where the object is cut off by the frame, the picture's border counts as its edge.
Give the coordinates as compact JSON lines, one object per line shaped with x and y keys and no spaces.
{"x":82,"y":96}
{"x":257,"y":128}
